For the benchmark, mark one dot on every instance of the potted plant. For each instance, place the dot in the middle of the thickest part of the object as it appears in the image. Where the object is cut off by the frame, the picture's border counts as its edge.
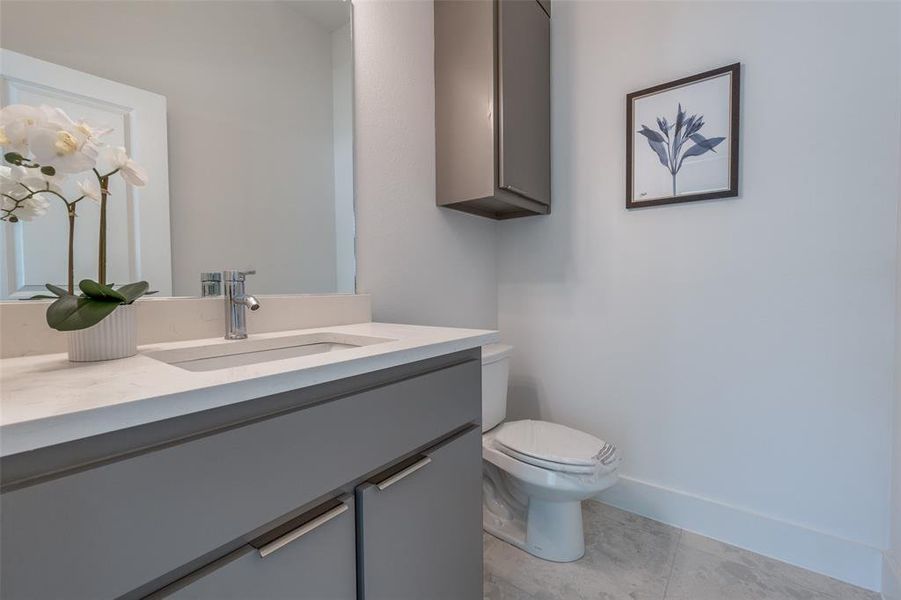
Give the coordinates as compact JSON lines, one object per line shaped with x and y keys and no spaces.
{"x":43,"y":147}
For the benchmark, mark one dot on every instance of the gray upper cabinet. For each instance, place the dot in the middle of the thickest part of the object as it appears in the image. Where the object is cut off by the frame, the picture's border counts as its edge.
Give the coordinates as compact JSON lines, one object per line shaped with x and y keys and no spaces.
{"x":524,"y":34}
{"x":492,"y":106}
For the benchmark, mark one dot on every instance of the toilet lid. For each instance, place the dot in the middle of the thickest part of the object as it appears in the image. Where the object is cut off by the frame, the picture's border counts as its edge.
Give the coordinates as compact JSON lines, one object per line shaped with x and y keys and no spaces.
{"x":550,"y":442}
{"x":548,"y":464}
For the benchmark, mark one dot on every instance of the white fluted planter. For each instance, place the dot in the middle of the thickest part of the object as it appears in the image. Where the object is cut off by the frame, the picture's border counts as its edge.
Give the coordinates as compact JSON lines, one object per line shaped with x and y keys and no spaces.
{"x":116,"y":336}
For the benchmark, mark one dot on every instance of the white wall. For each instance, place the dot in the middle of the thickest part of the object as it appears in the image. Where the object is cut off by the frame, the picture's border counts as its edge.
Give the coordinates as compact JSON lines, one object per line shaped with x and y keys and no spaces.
{"x":891,"y":574}
{"x":250,"y":123}
{"x":343,"y":138}
{"x":421,"y":264}
{"x":739,"y":351}
{"x":891,"y":571}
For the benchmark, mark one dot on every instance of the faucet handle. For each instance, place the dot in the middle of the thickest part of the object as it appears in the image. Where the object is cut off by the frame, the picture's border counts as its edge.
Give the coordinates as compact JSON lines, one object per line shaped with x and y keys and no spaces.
{"x":237,"y":275}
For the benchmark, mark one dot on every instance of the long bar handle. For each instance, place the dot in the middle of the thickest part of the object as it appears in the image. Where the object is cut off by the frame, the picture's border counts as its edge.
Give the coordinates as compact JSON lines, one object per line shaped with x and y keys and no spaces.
{"x":304,"y":529}
{"x":401,"y":474}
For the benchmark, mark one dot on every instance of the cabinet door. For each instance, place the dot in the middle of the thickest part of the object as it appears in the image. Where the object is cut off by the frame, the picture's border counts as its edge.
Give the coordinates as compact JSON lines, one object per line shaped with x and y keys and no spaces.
{"x":524,"y":73}
{"x":311,"y":557}
{"x":420,"y":526}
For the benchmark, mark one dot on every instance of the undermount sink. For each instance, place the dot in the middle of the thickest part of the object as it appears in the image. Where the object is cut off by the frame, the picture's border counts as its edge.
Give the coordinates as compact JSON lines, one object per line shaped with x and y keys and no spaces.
{"x":254,"y":351}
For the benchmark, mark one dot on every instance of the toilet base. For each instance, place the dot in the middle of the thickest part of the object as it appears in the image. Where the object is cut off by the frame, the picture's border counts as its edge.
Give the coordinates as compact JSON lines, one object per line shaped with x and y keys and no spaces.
{"x":551,"y":530}
{"x":555,"y":530}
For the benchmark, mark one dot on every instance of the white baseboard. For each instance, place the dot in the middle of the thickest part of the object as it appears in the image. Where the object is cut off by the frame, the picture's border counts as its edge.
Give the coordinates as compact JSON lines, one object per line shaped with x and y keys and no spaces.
{"x":843,"y":559}
{"x":891,"y":576}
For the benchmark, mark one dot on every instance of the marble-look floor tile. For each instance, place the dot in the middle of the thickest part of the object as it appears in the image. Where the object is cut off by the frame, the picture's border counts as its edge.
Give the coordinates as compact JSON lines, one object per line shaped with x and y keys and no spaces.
{"x":499,"y":589}
{"x":625,"y":518}
{"x":773,"y":572}
{"x":622,"y":562}
{"x":706,"y":569}
{"x":629,"y":557}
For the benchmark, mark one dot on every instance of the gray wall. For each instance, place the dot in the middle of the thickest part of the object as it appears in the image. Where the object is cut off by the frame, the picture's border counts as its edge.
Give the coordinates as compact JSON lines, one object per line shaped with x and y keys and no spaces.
{"x":738,"y":351}
{"x":421,"y":264}
{"x":250,"y":123}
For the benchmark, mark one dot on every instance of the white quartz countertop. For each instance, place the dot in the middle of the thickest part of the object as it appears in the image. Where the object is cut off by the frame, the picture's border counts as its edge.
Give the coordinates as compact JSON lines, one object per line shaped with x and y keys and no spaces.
{"x":46,"y":400}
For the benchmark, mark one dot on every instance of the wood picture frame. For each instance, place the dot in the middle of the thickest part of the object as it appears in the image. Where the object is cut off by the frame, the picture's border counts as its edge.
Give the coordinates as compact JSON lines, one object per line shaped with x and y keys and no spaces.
{"x":657,"y":149}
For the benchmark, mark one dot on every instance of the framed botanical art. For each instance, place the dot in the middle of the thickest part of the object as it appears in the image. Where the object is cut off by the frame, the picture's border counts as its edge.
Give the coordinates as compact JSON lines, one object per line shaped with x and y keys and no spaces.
{"x":682,"y":139}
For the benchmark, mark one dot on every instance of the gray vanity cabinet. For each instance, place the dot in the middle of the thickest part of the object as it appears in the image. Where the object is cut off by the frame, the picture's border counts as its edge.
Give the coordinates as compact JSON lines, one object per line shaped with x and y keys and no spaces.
{"x":492,"y":107}
{"x":311,"y":558}
{"x":419,"y":524}
{"x":187,"y":507}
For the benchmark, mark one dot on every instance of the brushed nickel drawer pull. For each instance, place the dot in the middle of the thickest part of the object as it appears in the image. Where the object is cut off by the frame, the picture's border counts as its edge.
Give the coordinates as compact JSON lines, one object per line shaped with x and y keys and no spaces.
{"x":401,"y":474}
{"x":302,"y":530}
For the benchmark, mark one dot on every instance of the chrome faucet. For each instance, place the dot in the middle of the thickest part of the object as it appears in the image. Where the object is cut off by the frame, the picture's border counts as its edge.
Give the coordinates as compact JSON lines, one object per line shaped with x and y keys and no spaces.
{"x":210,"y":284}
{"x":236,"y":301}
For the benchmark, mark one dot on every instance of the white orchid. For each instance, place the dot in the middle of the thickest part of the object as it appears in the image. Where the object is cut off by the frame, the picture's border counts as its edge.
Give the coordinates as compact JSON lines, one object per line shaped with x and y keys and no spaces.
{"x":16,"y":121}
{"x":92,"y":132}
{"x":9,"y":185}
{"x":23,"y":210}
{"x":63,"y":144}
{"x":90,"y":189}
{"x":117,"y":159}
{"x":43,"y":146}
{"x":19,"y":182}
{"x":17,"y":202}
{"x":34,"y":179}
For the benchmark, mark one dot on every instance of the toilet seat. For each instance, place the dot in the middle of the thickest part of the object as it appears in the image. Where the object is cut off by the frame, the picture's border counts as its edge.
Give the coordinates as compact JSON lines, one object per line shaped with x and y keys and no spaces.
{"x":559,"y":483}
{"x":553,"y":446}
{"x":547,"y":464}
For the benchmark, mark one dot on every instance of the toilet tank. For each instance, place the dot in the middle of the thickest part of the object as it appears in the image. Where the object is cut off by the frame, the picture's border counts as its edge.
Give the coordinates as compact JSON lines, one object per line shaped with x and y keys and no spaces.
{"x":495,"y":372}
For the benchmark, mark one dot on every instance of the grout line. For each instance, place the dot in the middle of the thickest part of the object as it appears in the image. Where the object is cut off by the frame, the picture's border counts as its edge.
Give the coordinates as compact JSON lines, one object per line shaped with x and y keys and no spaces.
{"x":672,"y":566}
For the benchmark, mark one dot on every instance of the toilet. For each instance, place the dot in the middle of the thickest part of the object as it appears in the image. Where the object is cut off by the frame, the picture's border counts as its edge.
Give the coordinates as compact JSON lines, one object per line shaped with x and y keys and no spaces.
{"x":535,"y":474}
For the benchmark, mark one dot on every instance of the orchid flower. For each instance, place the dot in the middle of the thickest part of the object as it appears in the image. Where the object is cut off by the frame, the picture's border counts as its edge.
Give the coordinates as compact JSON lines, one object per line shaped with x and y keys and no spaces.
{"x":17,"y":201}
{"x":25,"y":209}
{"x":63,"y":144}
{"x":16,"y":121}
{"x":33,"y":178}
{"x":90,"y":189}
{"x":43,"y":145}
{"x":119,"y":161}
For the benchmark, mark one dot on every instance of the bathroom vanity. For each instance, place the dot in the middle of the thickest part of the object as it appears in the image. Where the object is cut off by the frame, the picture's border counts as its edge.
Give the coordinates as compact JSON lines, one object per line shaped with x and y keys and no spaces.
{"x":349,"y":473}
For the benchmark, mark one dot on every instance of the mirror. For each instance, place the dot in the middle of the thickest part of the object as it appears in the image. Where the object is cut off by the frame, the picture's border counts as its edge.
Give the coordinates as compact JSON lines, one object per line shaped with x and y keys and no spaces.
{"x":240,"y":113}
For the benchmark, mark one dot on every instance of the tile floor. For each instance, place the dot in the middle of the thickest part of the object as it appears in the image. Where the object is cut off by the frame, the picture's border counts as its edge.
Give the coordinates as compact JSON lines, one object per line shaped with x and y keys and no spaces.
{"x":628,"y":557}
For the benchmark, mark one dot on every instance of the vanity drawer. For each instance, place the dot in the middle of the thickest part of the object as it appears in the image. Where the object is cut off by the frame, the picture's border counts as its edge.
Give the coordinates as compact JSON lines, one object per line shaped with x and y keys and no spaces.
{"x":312,"y":559}
{"x":102,"y":532}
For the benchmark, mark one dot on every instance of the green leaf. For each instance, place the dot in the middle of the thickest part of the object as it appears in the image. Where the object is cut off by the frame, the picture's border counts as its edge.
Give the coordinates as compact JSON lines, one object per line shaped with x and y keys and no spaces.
{"x":48,"y":171}
{"x":103,"y":293}
{"x":133,"y":291}
{"x":40,"y":297}
{"x":13,"y":157}
{"x":71,"y":313}
{"x":60,"y":292}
